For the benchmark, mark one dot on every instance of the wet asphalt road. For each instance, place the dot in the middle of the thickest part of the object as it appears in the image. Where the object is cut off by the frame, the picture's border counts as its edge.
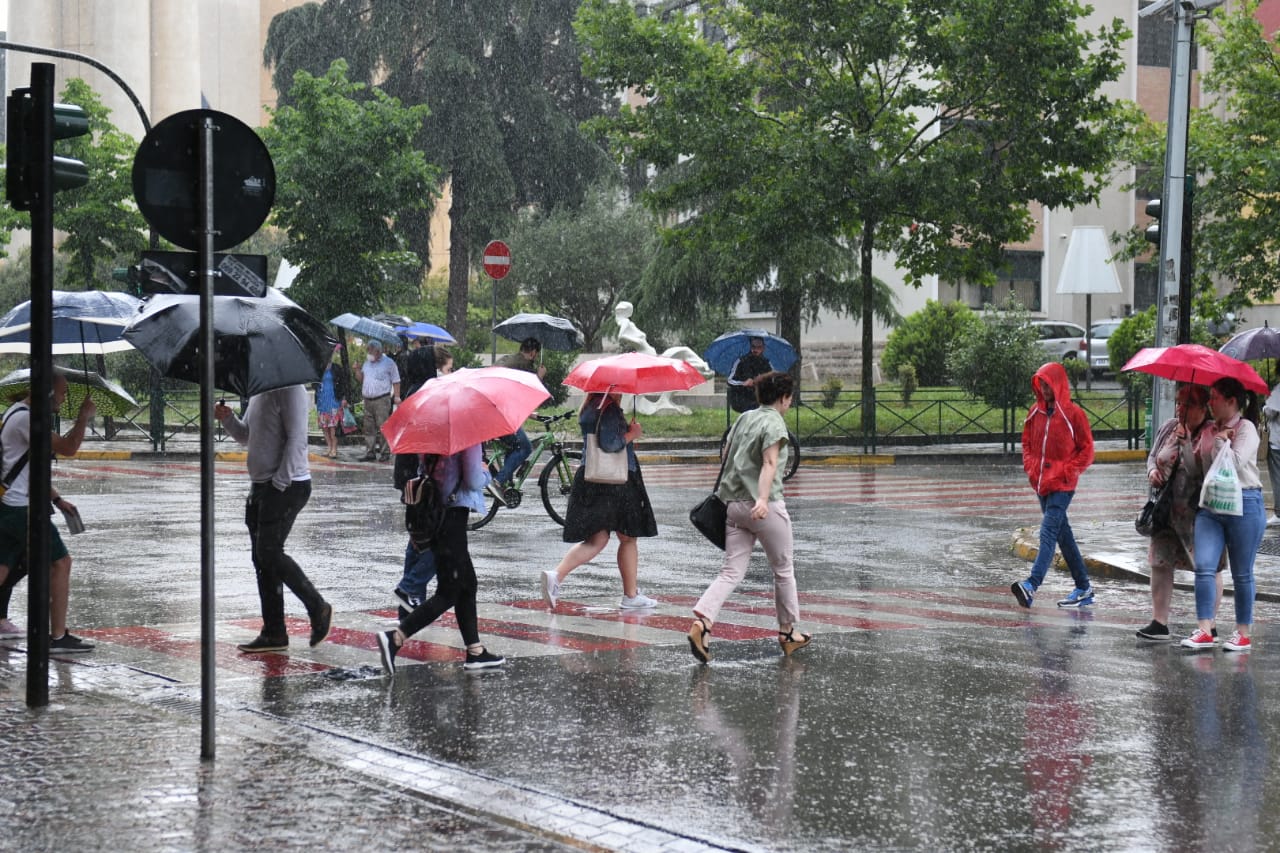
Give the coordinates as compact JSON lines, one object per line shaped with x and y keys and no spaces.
{"x":929,"y":713}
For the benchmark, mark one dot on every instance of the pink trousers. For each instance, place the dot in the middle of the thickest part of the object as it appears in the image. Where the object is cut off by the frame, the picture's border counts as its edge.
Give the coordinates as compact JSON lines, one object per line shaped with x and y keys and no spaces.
{"x":773,"y":532}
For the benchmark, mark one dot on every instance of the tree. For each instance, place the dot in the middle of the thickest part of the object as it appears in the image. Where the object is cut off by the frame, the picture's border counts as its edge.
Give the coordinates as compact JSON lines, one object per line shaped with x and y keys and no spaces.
{"x":347,"y":169}
{"x":995,"y":359}
{"x":578,"y":263}
{"x":919,"y":128}
{"x":1231,"y":149}
{"x":504,"y":83}
{"x":924,"y":339}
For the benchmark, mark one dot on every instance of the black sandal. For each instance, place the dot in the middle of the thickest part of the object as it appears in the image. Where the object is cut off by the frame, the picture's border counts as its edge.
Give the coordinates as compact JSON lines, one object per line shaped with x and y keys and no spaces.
{"x":790,"y":642}
{"x":698,"y":635}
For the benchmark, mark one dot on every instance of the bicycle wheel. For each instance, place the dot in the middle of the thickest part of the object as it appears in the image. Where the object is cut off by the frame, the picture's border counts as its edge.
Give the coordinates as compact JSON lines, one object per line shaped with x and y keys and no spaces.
{"x":793,"y":458}
{"x":482,"y":520}
{"x":556,"y":481}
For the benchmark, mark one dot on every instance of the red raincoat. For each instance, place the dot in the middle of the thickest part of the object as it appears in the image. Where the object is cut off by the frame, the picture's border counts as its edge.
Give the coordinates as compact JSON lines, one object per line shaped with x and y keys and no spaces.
{"x":1056,"y":447}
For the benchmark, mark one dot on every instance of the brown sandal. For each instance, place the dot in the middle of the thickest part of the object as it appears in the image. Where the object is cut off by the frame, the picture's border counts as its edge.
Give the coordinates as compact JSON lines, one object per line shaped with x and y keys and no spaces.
{"x":698,"y":635}
{"x":790,"y":642}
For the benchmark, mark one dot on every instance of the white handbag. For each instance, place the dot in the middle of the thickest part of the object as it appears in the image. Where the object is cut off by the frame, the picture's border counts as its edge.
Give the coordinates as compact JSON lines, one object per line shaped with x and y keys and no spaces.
{"x":601,"y":466}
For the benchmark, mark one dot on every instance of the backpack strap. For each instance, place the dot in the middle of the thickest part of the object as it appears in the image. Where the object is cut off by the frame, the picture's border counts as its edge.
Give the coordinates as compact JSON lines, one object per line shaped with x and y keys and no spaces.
{"x":7,"y":479}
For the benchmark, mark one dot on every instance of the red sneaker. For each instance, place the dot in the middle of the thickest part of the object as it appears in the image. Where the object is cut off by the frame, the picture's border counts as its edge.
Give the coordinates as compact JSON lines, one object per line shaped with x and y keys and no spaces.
{"x":1237,"y":643}
{"x":1198,"y":640}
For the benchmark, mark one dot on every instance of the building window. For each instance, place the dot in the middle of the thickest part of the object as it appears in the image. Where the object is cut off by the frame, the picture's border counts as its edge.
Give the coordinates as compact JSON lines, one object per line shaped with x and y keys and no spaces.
{"x":1146,"y":280}
{"x":1018,"y":277}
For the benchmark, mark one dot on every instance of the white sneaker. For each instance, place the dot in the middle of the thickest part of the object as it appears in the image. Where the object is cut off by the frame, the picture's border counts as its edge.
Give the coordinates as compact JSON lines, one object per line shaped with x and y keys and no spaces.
{"x":639,"y":601}
{"x":550,"y":588}
{"x":10,"y":631}
{"x":1273,"y":521}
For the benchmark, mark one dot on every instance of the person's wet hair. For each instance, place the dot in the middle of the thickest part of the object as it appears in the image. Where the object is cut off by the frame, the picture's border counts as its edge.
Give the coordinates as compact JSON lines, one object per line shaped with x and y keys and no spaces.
{"x":1247,"y":401}
{"x":773,"y":386}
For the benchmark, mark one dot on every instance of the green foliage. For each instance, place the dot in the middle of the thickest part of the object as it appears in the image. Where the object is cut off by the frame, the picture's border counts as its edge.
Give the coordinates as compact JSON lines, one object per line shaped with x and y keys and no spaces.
{"x":577,"y":263}
{"x":908,"y":382}
{"x":995,"y":360}
{"x":924,"y":339}
{"x":1137,"y":331}
{"x":831,"y":391}
{"x":1076,"y":369}
{"x":920,"y":128}
{"x":339,"y":134}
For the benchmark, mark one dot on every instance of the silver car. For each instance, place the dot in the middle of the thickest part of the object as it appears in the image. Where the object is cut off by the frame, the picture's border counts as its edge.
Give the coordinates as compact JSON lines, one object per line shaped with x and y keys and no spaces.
{"x":1099,"y":355}
{"x":1061,"y":340}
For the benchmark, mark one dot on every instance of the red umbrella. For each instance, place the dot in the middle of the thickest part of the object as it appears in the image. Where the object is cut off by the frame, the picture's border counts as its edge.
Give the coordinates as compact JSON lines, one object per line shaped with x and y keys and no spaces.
{"x":634,"y":373}
{"x":453,"y":412}
{"x":1194,"y":363}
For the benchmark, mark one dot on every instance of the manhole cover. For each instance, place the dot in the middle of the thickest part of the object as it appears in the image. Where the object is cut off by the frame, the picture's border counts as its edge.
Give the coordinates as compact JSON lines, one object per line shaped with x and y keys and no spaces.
{"x":1270,"y":546}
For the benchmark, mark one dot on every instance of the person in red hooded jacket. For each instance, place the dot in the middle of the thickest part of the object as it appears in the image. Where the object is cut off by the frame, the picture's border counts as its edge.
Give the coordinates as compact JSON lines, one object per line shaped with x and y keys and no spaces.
{"x":1057,"y":446}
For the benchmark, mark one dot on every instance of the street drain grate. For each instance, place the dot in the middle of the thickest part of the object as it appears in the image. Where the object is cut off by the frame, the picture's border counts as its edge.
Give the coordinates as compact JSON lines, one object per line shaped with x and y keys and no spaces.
{"x":1270,"y":547}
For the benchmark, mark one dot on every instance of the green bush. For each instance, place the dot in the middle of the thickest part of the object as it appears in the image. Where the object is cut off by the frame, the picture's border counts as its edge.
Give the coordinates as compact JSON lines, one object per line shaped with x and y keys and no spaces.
{"x":831,"y":391}
{"x":925,"y":338}
{"x":1076,"y":369}
{"x":1137,"y":331}
{"x":996,"y":360}
{"x":907,"y":379}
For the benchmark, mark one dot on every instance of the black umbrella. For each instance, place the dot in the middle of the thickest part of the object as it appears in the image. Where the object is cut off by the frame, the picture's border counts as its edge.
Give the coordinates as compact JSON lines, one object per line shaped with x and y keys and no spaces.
{"x":1254,"y":344}
{"x":260,"y":343}
{"x":555,"y":333}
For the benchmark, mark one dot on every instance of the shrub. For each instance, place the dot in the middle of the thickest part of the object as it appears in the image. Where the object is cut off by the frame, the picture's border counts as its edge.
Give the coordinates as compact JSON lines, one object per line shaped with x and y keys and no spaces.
{"x":925,"y":338}
{"x":1076,"y":368}
{"x":1138,"y":331}
{"x":907,"y":379}
{"x":831,"y":391}
{"x":996,"y":360}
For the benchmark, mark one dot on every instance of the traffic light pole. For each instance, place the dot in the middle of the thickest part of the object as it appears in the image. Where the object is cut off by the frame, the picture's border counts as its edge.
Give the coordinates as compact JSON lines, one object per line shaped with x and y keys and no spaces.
{"x":41,"y":443}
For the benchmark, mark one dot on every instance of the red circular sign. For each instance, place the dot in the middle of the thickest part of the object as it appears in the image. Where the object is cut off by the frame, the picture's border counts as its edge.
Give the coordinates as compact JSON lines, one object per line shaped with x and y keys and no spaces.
{"x":497,"y":259}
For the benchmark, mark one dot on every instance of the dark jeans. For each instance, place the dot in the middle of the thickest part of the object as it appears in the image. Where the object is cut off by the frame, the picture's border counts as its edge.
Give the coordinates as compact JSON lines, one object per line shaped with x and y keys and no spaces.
{"x":269,"y":515}
{"x":519,"y":447}
{"x":455,"y":581}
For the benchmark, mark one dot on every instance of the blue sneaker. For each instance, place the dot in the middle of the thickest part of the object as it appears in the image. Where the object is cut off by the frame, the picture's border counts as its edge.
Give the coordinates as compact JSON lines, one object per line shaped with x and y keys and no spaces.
{"x":1023,"y":591}
{"x":1078,"y":598}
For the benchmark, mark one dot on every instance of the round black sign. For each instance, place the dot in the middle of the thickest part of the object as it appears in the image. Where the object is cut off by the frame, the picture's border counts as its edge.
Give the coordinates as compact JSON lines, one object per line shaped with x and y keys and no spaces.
{"x":166,"y":171}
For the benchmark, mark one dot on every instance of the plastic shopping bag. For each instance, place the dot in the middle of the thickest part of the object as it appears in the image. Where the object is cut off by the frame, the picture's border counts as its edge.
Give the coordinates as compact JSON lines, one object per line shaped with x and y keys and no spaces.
{"x":1221,"y":491}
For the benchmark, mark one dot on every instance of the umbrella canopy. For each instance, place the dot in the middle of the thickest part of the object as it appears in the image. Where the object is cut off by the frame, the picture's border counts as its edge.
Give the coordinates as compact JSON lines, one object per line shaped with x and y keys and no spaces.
{"x":1194,"y":363}
{"x":84,"y":322}
{"x":427,"y":331}
{"x":1253,"y":344}
{"x":634,"y":373}
{"x":555,"y":333}
{"x":260,"y":342}
{"x":731,"y":346}
{"x":111,"y":400}
{"x":451,"y":413}
{"x":366,"y":327}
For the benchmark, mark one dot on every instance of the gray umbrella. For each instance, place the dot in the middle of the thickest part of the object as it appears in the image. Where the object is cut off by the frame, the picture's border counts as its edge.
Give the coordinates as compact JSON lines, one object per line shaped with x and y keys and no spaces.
{"x":1253,"y":344}
{"x":555,"y":333}
{"x":366,"y":327}
{"x":260,"y":342}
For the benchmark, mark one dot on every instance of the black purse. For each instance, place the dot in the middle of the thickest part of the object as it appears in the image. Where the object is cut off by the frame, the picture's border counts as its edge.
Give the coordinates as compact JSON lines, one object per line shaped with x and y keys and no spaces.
{"x":1156,"y":513}
{"x":711,"y":514}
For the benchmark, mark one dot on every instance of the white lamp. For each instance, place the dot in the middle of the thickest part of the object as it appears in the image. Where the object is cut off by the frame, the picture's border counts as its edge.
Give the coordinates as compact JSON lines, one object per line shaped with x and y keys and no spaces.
{"x":1088,"y":270}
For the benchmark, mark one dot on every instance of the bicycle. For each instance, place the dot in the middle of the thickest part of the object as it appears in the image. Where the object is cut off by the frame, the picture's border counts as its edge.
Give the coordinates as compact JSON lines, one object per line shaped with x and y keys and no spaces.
{"x":793,"y":458}
{"x":554,"y":482}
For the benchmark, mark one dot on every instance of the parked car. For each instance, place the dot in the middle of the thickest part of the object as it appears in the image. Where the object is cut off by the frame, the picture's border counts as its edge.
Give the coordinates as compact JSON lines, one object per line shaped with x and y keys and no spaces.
{"x":1061,"y":340}
{"x":1099,"y":355}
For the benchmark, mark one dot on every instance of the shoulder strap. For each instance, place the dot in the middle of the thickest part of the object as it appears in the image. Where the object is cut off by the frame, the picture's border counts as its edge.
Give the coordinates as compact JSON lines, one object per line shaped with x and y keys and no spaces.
{"x":8,"y":478}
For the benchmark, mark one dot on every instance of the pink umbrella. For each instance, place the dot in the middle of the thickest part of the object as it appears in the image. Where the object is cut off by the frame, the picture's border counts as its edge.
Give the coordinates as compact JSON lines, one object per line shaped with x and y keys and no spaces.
{"x":467,"y":407}
{"x":634,"y":373}
{"x":1194,"y":363}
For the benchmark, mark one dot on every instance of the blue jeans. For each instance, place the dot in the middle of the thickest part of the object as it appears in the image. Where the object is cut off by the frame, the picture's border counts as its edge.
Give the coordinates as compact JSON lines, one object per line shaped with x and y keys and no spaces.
{"x":1055,"y":531}
{"x":519,"y":448}
{"x":1240,"y":535}
{"x":419,"y":569}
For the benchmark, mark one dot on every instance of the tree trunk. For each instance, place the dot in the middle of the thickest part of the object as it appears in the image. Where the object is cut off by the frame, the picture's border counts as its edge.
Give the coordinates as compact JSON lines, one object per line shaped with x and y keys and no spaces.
{"x":868,"y":337}
{"x":789,"y":315}
{"x":459,"y":266}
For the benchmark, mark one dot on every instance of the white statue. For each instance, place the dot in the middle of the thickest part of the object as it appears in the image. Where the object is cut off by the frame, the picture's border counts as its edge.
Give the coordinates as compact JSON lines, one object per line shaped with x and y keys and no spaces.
{"x":630,"y":336}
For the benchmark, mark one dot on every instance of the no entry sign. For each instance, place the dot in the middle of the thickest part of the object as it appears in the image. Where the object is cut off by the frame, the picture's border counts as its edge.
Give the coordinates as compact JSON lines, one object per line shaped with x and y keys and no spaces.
{"x":497,"y":259}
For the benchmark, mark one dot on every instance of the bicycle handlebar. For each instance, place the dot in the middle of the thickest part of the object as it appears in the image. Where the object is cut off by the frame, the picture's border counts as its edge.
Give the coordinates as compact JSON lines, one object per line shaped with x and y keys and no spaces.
{"x":547,"y":420}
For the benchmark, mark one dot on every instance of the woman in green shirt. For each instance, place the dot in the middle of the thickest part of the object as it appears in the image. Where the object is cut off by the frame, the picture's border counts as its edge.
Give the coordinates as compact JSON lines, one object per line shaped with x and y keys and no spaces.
{"x":752,"y":489}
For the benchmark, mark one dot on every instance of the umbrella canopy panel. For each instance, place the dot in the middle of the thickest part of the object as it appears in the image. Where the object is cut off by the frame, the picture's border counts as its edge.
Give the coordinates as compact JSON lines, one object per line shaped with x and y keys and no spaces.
{"x":1253,"y":344}
{"x":634,"y":373}
{"x":111,"y":400}
{"x":426,"y":331}
{"x":89,"y":321}
{"x":731,"y":346}
{"x":260,"y":343}
{"x":555,"y":333}
{"x":366,"y":327}
{"x":1194,"y":363}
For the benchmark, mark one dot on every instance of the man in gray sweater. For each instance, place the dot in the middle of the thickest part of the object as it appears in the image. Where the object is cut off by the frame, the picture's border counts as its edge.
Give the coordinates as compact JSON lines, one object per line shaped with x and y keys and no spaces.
{"x":274,"y":429}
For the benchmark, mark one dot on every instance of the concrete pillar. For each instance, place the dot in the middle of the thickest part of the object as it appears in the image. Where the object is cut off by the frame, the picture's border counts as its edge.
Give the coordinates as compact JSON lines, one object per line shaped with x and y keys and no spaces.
{"x":176,"y":47}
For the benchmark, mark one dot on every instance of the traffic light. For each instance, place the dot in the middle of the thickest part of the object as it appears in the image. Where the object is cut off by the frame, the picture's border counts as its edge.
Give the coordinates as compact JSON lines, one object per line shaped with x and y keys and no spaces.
{"x":26,"y":142}
{"x":1153,"y":230}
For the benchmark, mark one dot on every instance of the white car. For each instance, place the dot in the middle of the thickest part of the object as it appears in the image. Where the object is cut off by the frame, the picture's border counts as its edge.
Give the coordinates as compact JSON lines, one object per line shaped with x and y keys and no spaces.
{"x":1060,"y":339}
{"x":1099,"y":354}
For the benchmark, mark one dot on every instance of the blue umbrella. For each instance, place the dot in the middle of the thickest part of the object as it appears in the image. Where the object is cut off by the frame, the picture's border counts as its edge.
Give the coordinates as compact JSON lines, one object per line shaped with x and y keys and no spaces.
{"x":429,"y":331}
{"x":731,"y":346}
{"x":366,"y":327}
{"x":84,"y":321}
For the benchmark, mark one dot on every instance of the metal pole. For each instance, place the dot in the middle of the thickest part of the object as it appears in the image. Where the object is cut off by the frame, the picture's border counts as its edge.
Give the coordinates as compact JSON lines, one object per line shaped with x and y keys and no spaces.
{"x":208,"y":661}
{"x":41,"y":443}
{"x":1171,"y":273}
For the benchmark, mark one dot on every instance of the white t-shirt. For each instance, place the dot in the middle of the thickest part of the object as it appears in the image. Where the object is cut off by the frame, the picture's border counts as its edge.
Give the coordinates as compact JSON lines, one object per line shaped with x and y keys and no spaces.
{"x":16,"y":438}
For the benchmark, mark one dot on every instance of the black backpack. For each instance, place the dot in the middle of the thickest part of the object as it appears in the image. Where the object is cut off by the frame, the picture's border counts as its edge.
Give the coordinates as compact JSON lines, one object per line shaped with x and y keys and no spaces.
{"x":424,"y":508}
